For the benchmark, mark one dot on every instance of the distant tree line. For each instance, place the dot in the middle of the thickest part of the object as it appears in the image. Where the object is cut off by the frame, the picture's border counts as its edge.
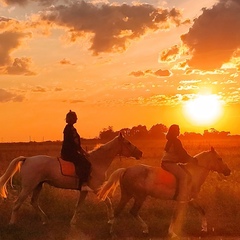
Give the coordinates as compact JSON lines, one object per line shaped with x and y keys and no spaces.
{"x":157,"y":131}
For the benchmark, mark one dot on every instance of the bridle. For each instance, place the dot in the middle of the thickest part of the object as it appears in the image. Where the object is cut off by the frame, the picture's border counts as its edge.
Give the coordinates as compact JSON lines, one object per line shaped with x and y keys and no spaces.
{"x":204,"y":167}
{"x":132,"y":151}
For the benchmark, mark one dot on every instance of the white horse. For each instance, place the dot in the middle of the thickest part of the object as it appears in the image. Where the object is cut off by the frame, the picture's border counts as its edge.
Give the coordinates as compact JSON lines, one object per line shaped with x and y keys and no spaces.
{"x":36,"y":170}
{"x":140,"y":181}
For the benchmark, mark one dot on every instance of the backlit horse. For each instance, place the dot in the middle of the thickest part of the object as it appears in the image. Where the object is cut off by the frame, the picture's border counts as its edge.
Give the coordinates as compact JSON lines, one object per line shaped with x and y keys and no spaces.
{"x":140,"y":181}
{"x":36,"y":170}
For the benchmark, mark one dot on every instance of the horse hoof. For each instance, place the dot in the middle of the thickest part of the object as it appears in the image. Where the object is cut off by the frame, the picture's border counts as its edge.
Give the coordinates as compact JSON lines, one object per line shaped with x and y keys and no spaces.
{"x":173,"y":236}
{"x":113,"y":236}
{"x":203,"y":233}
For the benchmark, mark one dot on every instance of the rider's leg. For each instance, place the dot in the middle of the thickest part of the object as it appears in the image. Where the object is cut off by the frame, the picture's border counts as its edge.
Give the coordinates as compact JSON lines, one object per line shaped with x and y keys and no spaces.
{"x":182,"y":177}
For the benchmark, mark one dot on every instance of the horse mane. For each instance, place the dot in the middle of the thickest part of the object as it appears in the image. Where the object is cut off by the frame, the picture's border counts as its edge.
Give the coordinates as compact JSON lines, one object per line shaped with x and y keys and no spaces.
{"x":201,"y":153}
{"x":99,"y":145}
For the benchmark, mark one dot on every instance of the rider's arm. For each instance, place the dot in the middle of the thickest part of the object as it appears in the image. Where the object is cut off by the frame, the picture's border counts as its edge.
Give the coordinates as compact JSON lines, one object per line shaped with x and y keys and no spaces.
{"x":184,"y":157}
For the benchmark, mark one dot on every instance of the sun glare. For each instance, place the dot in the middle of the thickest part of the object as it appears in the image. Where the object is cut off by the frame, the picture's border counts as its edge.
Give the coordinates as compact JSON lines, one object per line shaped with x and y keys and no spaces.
{"x":204,"y":109}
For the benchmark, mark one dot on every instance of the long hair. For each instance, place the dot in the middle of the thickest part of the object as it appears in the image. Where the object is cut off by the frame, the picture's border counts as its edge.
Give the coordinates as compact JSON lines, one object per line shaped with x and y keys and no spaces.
{"x":172,"y":134}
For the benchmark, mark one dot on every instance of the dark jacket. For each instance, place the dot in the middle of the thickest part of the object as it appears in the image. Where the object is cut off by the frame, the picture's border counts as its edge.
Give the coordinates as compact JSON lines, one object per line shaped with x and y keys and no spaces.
{"x":175,"y":151}
{"x":71,"y":146}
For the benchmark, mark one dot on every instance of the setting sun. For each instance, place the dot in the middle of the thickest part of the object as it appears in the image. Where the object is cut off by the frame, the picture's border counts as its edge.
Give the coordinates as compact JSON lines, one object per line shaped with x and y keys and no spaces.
{"x":204,"y":109}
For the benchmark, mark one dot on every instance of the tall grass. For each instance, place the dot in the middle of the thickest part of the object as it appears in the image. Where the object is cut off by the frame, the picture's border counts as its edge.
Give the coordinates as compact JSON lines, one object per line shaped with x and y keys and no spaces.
{"x":219,"y":195}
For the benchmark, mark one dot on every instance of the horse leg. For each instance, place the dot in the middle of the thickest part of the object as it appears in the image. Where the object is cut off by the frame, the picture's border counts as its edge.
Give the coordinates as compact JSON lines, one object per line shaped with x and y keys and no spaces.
{"x":177,"y":219}
{"x":134,"y":212}
{"x":110,"y":213}
{"x":34,"y":203}
{"x":122,"y":203}
{"x":201,"y":211}
{"x":21,"y":198}
{"x":81,"y":199}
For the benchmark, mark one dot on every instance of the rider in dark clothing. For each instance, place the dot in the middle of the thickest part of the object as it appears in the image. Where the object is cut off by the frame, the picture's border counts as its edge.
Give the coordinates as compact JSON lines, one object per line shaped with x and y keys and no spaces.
{"x":174,"y":158}
{"x":73,"y":152}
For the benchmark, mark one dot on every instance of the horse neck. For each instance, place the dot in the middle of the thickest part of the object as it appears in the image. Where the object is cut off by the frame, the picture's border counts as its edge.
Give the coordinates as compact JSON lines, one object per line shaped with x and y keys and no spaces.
{"x":199,"y":173}
{"x":104,"y":155}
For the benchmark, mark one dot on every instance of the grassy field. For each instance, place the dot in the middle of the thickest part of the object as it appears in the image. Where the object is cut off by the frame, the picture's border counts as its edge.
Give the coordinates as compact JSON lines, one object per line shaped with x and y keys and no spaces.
{"x":219,"y":195}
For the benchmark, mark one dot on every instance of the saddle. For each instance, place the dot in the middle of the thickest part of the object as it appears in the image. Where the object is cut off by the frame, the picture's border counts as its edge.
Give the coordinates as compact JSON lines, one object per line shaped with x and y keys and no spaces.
{"x":67,"y":168}
{"x":170,"y":180}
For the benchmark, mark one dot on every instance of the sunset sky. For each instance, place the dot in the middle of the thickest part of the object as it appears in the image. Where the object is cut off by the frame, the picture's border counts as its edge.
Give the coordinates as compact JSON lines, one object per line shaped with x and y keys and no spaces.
{"x":119,"y":64}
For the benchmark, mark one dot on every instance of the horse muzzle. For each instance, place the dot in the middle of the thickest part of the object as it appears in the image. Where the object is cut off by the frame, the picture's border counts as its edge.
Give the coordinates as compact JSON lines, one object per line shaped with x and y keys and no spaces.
{"x":226,"y":171}
{"x":139,"y":155}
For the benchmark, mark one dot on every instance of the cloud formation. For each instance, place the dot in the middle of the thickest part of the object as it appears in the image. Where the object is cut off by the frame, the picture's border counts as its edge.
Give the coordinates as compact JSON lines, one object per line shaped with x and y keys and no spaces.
{"x":6,"y":96}
{"x":110,"y":27}
{"x":12,"y":37}
{"x":20,"y":66}
{"x":214,"y":36}
{"x":158,"y":73}
{"x":25,"y":2}
{"x":65,"y":61}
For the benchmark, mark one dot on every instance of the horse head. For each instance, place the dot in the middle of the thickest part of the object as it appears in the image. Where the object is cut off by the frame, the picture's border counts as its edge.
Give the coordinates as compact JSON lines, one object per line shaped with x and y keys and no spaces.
{"x":127,"y":149}
{"x":212,"y":161}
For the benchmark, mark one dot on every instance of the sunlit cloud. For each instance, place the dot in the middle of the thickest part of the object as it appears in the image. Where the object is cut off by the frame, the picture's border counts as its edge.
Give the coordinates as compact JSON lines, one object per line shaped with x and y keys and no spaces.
{"x":137,"y":74}
{"x":6,"y":96}
{"x":39,"y":89}
{"x":25,"y":2}
{"x":162,"y":73}
{"x":58,"y":89}
{"x":214,"y":36}
{"x":20,"y":66}
{"x":204,"y":72}
{"x":76,"y":101}
{"x":170,"y":55}
{"x":13,"y":37}
{"x":65,"y":61}
{"x":110,"y":28}
{"x":158,"y":73}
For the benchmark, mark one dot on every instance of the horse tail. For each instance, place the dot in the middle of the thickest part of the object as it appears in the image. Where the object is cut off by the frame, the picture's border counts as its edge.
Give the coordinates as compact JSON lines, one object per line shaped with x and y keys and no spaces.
{"x":111,"y":184}
{"x":13,"y":167}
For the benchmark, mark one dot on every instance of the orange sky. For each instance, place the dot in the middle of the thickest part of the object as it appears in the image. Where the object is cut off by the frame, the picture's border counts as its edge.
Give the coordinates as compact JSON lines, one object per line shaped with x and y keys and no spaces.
{"x":117,"y":64}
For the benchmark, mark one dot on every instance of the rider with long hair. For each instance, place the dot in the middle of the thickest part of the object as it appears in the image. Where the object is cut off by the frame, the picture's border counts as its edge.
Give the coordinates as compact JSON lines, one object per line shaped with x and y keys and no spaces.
{"x":173,"y":161}
{"x":72,"y":151}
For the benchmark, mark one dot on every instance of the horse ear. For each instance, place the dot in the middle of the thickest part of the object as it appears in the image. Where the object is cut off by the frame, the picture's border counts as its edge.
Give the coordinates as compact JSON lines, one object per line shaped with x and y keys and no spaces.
{"x":120,"y":135}
{"x":212,"y":149}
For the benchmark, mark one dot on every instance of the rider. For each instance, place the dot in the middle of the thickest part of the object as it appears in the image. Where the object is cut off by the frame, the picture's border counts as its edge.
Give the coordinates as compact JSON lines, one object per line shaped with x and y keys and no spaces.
{"x":73,"y":152}
{"x":173,"y":161}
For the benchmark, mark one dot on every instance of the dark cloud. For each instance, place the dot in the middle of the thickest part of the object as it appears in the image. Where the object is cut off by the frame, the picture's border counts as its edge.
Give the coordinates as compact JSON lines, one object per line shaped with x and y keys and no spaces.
{"x":20,"y":66}
{"x":76,"y":101}
{"x":39,"y":89}
{"x":162,"y":73}
{"x":158,"y":73}
{"x":58,"y":89}
{"x":111,"y":27}
{"x":65,"y":61}
{"x":170,"y":54}
{"x":10,"y":41}
{"x":214,"y":36}
{"x":6,"y":96}
{"x":25,"y":2}
{"x":137,"y":74}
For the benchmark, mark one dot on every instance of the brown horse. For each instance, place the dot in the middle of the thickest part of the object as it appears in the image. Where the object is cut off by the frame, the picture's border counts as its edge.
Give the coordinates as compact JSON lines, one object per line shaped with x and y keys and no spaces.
{"x":140,"y":181}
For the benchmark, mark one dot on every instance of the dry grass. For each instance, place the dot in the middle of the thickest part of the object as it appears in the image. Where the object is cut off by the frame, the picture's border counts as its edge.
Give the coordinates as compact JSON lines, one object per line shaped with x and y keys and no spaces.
{"x":219,"y":195}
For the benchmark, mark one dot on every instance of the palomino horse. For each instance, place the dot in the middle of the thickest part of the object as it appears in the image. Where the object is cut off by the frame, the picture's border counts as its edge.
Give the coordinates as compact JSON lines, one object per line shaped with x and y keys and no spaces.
{"x":140,"y":181}
{"x":36,"y":170}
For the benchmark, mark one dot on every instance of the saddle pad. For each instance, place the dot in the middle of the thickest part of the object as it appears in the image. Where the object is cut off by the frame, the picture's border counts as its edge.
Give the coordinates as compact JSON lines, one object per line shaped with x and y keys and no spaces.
{"x":67,"y":168}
